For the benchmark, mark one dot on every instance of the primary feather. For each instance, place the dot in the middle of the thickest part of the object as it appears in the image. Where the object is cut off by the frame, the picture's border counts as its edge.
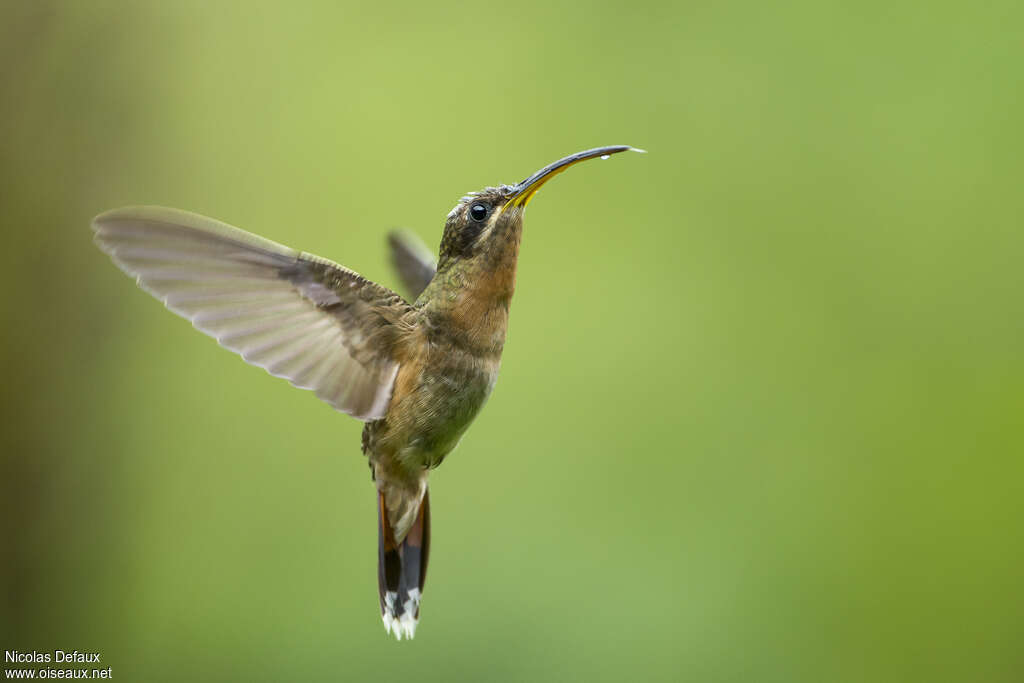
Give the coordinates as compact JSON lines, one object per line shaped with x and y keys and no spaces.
{"x":313,"y":322}
{"x":412,"y":260}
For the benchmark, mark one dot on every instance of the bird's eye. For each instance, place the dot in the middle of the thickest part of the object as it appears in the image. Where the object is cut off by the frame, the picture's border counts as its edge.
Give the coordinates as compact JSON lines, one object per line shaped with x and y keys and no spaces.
{"x":478,"y":212}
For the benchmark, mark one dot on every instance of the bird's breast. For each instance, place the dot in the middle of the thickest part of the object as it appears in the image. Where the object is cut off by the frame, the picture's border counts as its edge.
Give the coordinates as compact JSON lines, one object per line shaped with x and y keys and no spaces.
{"x":435,"y":399}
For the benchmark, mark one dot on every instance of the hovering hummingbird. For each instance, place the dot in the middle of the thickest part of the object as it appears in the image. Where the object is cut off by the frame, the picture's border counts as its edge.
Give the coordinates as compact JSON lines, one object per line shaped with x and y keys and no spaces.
{"x":416,"y":374}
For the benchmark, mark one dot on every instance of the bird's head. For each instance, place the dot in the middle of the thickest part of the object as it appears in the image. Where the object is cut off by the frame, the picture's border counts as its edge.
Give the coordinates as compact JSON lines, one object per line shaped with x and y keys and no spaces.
{"x":486,"y":223}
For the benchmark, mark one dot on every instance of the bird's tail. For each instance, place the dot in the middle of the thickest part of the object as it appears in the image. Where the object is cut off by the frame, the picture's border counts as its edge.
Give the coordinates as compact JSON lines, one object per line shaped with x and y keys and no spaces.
{"x":402,"y":569}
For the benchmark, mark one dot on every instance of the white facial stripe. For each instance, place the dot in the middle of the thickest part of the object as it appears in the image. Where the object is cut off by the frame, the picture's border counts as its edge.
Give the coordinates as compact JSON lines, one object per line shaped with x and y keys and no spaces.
{"x":492,"y":220}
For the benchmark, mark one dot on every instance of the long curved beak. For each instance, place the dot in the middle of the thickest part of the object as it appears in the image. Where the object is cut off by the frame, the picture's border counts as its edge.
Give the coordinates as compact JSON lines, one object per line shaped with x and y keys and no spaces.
{"x":524,"y":191}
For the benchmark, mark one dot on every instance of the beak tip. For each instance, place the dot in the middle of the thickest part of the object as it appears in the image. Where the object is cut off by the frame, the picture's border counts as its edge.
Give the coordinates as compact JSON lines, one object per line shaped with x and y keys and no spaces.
{"x":521,"y":192}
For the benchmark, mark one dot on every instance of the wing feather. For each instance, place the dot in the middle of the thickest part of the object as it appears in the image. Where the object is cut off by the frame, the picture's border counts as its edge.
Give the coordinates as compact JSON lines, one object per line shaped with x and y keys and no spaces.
{"x":412,"y":260}
{"x":319,"y":325}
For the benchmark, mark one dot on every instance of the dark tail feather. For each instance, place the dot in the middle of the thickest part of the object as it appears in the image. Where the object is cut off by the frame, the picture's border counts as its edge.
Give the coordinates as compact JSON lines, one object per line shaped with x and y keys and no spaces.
{"x":402,"y":569}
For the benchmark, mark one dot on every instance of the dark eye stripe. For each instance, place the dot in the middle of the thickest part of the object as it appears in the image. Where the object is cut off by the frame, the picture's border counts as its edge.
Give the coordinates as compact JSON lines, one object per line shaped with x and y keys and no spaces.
{"x":470,"y":232}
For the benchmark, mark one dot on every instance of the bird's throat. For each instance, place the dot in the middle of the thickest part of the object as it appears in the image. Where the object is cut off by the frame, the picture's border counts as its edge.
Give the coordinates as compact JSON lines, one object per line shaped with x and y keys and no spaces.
{"x":468,"y":300}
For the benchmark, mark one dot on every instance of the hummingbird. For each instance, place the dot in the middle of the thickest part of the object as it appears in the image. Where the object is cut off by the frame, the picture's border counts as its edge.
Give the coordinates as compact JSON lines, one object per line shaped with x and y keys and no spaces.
{"x":416,"y":373}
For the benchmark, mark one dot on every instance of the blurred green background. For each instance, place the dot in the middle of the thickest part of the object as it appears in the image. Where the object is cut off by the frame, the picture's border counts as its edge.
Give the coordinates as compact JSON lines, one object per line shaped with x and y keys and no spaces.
{"x":760,"y":411}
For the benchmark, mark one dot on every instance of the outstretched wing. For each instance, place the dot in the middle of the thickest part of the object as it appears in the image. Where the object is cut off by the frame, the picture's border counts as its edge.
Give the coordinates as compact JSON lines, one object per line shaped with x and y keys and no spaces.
{"x":413,"y":260}
{"x":317,"y":324}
